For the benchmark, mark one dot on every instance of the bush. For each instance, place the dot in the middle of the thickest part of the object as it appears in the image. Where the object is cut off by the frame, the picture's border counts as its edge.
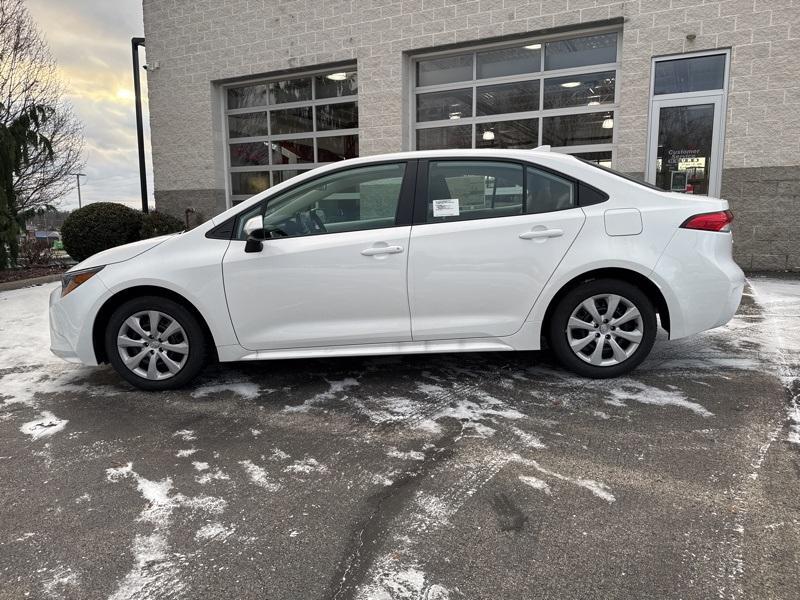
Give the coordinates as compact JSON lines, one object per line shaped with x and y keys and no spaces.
{"x":157,"y":223}
{"x":100,"y":226}
{"x":36,"y":253}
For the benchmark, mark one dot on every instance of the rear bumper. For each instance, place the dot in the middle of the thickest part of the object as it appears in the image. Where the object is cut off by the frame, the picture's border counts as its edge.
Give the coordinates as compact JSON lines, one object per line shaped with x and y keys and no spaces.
{"x":700,"y":281}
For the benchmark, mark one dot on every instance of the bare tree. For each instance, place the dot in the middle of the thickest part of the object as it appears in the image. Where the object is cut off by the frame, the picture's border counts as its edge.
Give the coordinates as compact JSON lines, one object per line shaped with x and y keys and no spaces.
{"x":28,"y":78}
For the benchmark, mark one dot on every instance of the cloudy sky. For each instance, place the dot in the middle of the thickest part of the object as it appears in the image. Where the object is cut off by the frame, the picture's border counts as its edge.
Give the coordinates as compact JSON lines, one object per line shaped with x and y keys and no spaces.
{"x":91,"y":40}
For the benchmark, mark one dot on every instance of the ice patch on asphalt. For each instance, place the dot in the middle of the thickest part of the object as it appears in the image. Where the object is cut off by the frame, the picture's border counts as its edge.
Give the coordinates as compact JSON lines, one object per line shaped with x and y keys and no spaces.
{"x":336,"y":389}
{"x":629,"y":389}
{"x":396,"y":580}
{"x":307,"y":465}
{"x":215,"y":531}
{"x":409,"y":455}
{"x":155,"y":568}
{"x":45,"y":426}
{"x":535,"y":483}
{"x":258,"y":475}
{"x":248,"y":391}
{"x":59,"y":579}
{"x":187,"y":435}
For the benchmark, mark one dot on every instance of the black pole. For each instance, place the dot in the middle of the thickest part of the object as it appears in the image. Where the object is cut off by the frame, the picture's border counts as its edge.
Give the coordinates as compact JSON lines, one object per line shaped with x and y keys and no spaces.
{"x":137,"y":88}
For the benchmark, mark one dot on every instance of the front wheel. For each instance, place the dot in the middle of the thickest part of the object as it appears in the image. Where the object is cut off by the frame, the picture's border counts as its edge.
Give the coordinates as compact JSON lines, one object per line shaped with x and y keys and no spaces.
{"x":155,"y":343}
{"x":603,"y":328}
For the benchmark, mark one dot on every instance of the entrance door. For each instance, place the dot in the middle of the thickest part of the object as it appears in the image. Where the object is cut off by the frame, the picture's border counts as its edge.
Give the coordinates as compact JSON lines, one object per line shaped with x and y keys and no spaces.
{"x":687,"y":119}
{"x":685,"y":145}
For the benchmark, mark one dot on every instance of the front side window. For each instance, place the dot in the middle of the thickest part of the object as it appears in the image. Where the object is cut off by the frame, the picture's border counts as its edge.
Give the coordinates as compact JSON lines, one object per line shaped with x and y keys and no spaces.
{"x":350,"y":200}
{"x":465,"y":190}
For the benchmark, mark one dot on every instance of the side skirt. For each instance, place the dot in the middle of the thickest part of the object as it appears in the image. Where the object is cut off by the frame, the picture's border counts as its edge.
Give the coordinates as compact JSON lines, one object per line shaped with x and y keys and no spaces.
{"x":527,"y":338}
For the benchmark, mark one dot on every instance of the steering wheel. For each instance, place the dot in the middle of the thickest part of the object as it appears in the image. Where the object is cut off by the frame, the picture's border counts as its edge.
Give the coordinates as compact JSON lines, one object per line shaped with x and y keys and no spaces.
{"x":317,"y":225}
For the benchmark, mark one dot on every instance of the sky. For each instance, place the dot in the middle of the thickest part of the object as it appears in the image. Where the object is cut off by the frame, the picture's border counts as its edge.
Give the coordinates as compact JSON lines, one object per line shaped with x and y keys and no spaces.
{"x":91,"y":41}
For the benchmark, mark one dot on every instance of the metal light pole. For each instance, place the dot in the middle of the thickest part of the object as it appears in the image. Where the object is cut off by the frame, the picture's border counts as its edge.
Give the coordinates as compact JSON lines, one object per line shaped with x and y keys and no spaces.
{"x":137,"y":89}
{"x":78,"y":178}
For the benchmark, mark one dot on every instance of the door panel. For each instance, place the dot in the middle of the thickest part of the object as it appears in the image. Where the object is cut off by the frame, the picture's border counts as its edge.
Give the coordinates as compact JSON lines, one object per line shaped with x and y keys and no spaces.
{"x":480,"y":278}
{"x":332,"y":270}
{"x":320,"y":290}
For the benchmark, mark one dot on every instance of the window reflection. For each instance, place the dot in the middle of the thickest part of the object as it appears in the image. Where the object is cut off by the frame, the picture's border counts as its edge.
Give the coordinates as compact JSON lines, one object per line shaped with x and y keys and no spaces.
{"x":508,"y":134}
{"x":437,"y":106}
{"x":577,"y":130}
{"x":292,"y":90}
{"x":507,"y":98}
{"x":444,"y":70}
{"x":437,"y":138}
{"x":509,"y":61}
{"x":334,"y":85}
{"x":690,"y":74}
{"x":579,"y":90}
{"x":337,"y":116}
{"x":582,"y":51}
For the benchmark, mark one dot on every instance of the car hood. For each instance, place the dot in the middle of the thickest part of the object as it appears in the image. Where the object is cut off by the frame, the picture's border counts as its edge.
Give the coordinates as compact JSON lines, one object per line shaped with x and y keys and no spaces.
{"x":121,"y":253}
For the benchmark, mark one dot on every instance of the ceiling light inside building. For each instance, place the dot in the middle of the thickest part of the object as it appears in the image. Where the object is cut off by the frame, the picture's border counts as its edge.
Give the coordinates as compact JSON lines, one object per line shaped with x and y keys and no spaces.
{"x":608,"y":123}
{"x":455,"y":115}
{"x":534,"y":47}
{"x":488,"y":136}
{"x":337,"y":76}
{"x":571,"y":84}
{"x":593,"y":103}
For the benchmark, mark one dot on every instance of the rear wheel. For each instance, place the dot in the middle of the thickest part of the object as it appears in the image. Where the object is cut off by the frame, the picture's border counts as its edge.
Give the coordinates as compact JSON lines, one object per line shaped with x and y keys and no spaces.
{"x":155,"y":343}
{"x":603,"y":328}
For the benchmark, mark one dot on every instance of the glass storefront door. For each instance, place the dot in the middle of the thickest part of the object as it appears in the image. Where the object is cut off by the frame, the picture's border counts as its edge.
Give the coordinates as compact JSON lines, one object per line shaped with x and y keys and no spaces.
{"x":685,"y":145}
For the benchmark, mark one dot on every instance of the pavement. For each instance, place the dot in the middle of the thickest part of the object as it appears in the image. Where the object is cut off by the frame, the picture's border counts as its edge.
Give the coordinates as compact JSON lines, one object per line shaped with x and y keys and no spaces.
{"x":429,"y":477}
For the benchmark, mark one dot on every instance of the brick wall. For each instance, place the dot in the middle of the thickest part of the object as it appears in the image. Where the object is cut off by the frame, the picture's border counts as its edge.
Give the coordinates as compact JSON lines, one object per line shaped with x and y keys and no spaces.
{"x":199,"y":42}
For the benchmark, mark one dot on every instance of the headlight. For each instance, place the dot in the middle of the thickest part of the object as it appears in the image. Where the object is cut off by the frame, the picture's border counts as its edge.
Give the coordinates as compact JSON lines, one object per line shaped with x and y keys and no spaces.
{"x":70,"y":281}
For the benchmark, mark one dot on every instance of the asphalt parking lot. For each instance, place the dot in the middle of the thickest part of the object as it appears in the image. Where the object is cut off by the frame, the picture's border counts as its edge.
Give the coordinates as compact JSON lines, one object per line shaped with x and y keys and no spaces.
{"x":431,"y":477}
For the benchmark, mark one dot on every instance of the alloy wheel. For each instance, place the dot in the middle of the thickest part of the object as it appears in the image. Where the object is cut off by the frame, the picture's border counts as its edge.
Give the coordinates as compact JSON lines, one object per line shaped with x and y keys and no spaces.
{"x":153,"y":345}
{"x":605,"y":330}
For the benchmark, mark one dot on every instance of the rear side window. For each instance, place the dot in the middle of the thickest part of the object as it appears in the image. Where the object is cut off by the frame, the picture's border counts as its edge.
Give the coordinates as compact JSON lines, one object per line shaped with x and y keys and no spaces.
{"x":465,"y":190}
{"x":546,"y":192}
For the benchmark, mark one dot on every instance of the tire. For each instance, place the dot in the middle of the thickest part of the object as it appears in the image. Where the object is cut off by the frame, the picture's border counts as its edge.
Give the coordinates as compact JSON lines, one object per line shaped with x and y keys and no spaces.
{"x":625,"y":342}
{"x":179,"y":357}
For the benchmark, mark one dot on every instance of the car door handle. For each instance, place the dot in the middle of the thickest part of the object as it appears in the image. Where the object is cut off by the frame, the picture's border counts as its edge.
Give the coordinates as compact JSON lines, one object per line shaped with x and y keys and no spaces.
{"x":376,"y":250}
{"x":541,"y":233}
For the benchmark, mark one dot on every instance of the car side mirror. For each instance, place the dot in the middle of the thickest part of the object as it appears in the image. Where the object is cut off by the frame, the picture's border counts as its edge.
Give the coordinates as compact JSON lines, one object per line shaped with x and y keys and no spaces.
{"x":254,"y":230}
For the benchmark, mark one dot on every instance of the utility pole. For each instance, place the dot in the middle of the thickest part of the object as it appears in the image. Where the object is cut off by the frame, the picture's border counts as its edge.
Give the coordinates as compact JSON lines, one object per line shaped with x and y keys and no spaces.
{"x":137,"y":89}
{"x":78,"y":178}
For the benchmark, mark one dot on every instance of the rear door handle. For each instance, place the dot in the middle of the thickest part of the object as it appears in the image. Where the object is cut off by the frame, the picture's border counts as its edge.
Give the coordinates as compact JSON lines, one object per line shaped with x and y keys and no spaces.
{"x":376,"y":250}
{"x":541,"y":233}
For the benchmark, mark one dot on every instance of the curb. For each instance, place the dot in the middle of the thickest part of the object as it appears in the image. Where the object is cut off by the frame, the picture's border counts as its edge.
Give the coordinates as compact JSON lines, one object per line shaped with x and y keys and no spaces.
{"x":23,"y":283}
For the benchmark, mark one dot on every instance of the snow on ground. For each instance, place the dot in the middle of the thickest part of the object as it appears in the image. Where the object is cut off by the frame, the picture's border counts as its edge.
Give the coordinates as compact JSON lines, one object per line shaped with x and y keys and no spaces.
{"x":780,"y":301}
{"x":28,"y":370}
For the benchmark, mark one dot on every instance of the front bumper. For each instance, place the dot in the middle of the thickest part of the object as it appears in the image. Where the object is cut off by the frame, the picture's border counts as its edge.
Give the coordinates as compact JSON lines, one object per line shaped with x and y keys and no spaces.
{"x":72,"y":319}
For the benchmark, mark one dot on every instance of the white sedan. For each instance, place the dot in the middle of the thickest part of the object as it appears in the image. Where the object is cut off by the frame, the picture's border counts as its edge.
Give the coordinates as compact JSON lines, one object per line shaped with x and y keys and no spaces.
{"x":438,"y":251}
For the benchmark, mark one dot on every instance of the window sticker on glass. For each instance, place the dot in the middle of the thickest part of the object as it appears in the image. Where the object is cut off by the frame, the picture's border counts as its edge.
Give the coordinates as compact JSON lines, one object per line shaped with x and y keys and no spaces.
{"x":445,"y":207}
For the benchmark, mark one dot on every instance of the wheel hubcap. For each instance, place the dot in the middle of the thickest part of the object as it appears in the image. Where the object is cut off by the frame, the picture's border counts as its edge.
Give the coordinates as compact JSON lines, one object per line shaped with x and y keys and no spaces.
{"x":153,"y":345}
{"x":605,"y":330}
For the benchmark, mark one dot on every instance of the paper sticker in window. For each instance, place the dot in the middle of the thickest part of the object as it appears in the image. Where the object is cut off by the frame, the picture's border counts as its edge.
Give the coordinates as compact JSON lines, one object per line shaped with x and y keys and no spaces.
{"x":445,"y":207}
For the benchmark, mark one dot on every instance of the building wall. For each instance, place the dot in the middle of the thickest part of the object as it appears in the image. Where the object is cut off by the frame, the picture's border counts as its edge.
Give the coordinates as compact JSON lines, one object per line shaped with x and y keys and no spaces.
{"x":199,"y":43}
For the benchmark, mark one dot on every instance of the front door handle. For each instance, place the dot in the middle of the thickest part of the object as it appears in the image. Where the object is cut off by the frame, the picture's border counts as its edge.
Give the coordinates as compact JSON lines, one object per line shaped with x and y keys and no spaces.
{"x":376,"y":250}
{"x":541,"y":233}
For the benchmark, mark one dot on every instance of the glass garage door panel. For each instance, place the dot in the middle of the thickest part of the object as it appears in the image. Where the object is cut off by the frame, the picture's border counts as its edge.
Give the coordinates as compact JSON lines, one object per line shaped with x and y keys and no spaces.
{"x":685,"y":141}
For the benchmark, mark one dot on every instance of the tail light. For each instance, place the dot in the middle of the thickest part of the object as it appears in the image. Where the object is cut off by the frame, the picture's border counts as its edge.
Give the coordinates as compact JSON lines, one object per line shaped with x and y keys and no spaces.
{"x":713,"y":221}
